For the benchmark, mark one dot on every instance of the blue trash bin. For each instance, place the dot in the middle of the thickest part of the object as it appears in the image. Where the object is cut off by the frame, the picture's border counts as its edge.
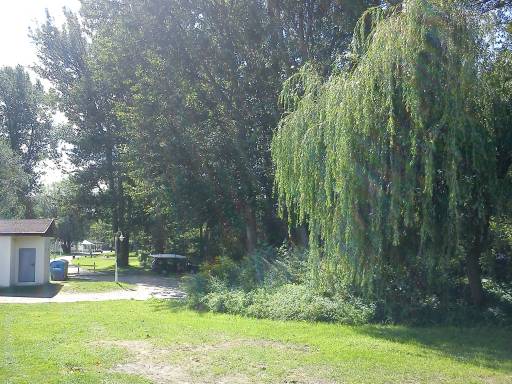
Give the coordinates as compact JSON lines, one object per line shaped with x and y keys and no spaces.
{"x":59,"y":270}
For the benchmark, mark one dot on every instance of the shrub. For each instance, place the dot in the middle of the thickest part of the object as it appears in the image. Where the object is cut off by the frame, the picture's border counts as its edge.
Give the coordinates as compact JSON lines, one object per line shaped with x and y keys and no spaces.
{"x":497,"y":264}
{"x":233,"y":302}
{"x":196,"y":287}
{"x":224,"y":269}
{"x":280,"y":284}
{"x":271,"y":283}
{"x":288,"y":302}
{"x":265,"y":267}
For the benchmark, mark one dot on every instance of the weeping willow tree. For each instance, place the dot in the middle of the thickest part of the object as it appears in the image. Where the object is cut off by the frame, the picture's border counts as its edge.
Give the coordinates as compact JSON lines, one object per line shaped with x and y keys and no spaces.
{"x":388,"y":161}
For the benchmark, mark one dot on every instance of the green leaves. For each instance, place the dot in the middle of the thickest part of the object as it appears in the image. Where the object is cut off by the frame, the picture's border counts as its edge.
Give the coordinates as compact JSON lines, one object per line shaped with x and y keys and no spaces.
{"x":383,"y":160}
{"x":13,"y":183}
{"x":26,"y":125}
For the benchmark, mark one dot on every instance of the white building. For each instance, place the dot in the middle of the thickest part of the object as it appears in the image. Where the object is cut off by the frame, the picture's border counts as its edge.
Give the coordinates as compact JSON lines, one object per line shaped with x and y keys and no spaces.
{"x":25,"y":251}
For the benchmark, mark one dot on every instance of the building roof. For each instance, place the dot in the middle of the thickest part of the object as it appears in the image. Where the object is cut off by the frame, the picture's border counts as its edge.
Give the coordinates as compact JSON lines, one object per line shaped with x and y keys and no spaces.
{"x":35,"y":227}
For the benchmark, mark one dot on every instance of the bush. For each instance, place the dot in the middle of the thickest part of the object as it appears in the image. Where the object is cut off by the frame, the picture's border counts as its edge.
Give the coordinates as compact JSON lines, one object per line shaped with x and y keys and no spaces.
{"x":196,"y":287}
{"x":280,"y":284}
{"x":233,"y":302}
{"x":224,"y":269}
{"x":288,"y":302}
{"x":497,"y":264}
{"x":428,"y":309}
{"x":270,"y":283}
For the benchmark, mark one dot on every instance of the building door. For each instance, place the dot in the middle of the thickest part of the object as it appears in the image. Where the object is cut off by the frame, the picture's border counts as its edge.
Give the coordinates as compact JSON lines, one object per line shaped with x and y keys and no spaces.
{"x":27,"y":265}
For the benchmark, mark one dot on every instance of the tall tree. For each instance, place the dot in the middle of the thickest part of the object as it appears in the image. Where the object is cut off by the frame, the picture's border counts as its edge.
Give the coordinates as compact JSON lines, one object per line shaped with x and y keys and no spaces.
{"x":96,"y":135}
{"x":26,"y":125}
{"x":13,"y":183}
{"x":389,"y":161}
{"x":200,"y":100}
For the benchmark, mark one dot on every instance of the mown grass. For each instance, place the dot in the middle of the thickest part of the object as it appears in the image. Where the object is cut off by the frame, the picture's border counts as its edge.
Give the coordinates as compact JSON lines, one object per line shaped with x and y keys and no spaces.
{"x":105,"y":262}
{"x":60,"y":343}
{"x":91,"y":286}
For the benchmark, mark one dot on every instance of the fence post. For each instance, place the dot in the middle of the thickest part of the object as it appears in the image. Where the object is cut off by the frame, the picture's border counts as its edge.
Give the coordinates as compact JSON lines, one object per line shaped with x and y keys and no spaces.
{"x":94,"y":267}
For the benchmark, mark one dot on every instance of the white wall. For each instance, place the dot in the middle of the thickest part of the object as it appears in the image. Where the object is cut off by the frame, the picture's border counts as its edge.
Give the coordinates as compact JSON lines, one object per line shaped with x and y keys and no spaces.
{"x":42,"y":246}
{"x":46,"y":261}
{"x":5,"y":260}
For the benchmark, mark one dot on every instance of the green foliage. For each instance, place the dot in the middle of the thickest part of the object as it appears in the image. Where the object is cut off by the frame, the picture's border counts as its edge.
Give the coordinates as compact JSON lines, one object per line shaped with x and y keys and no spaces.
{"x":185,"y":95}
{"x":196,"y":287}
{"x":394,"y":155}
{"x":388,"y":161}
{"x":100,"y":231}
{"x":26,"y":125}
{"x":62,"y":202}
{"x":98,"y":139}
{"x":271,"y":284}
{"x":500,"y":308}
{"x":266,"y":266}
{"x":497,"y":100}
{"x":13,"y":181}
{"x":289,"y":302}
{"x":143,"y":257}
{"x":497,"y":263}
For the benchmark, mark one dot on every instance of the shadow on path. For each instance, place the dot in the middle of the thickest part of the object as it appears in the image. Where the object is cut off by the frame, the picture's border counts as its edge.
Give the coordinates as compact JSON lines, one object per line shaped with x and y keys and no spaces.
{"x":39,"y":291}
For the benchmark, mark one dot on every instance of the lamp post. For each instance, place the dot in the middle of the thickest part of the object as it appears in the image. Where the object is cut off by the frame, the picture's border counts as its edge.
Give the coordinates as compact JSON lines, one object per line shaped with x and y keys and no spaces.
{"x":118,"y":235}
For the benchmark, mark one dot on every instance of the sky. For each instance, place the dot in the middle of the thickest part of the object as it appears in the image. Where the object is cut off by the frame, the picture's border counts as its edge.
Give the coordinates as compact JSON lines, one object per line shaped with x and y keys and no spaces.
{"x":16,"y":16}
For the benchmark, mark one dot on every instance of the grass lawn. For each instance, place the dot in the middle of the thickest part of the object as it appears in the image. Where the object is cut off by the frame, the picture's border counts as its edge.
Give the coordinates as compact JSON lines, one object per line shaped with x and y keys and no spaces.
{"x":104,"y":262}
{"x":153,"y":341}
{"x":84,"y":286}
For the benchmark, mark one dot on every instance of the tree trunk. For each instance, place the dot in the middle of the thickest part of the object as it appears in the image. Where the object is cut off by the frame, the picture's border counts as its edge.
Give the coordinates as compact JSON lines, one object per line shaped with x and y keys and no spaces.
{"x":158,"y":235}
{"x":66,"y":247}
{"x":478,"y":243}
{"x":302,"y":236}
{"x":203,"y":242}
{"x":474,"y":272}
{"x":273,"y":230}
{"x":113,"y":205}
{"x":158,"y":244}
{"x":250,"y":229}
{"x":124,"y":251}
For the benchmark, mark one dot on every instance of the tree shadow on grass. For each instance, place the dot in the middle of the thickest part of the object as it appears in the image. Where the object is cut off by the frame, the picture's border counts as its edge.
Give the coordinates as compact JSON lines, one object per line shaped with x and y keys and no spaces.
{"x":489,"y":347}
{"x":39,"y":291}
{"x":172,"y":305}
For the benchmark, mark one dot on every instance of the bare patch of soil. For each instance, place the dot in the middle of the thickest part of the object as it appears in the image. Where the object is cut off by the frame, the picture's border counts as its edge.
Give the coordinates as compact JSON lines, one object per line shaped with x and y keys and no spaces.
{"x":229,"y":344}
{"x":167,"y":366}
{"x":301,"y":376}
{"x":150,"y":362}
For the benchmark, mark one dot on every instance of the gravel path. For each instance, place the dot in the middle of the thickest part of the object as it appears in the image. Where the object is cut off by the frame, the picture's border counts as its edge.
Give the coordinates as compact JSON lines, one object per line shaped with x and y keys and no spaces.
{"x":147,"y":286}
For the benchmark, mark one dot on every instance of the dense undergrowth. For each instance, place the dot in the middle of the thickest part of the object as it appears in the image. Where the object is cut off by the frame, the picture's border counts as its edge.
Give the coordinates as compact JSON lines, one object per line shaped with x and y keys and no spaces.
{"x":274,"y":284}
{"x":282,"y":285}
